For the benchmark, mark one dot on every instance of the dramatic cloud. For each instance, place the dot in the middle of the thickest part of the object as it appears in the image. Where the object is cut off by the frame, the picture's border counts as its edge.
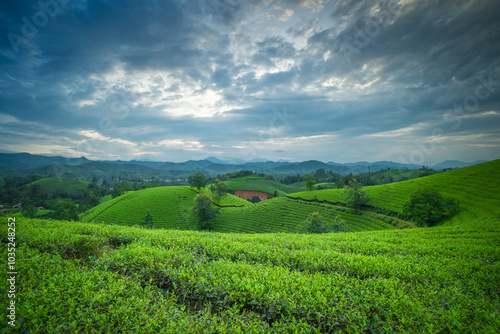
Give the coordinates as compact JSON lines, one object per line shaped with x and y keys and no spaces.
{"x":337,"y":80}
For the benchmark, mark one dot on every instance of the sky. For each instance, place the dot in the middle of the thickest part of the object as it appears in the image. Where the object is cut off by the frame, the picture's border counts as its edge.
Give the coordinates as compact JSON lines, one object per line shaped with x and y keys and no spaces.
{"x":407,"y":81}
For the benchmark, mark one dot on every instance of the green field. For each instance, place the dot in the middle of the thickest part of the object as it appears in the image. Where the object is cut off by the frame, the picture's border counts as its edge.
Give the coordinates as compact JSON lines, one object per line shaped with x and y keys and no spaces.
{"x":285,"y":215}
{"x":477,"y":188}
{"x":396,"y":175}
{"x":67,"y":185}
{"x":261,"y":184}
{"x":171,"y":208}
{"x":85,"y":278}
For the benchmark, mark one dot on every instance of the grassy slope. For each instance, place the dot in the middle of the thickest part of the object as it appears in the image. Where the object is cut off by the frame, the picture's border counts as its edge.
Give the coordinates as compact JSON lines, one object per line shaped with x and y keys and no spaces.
{"x":284,"y":215}
{"x":476,"y":187}
{"x":77,"y":277}
{"x":397,"y":175}
{"x":261,"y":184}
{"x":62,"y":184}
{"x":171,"y":207}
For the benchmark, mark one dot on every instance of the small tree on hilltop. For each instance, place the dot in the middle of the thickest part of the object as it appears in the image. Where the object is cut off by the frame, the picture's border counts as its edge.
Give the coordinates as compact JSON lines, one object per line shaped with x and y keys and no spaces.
{"x":219,"y":189}
{"x":205,"y":212}
{"x":197,"y":181}
{"x":427,"y":207}
{"x":310,"y":183}
{"x":355,"y":195}
{"x":148,"y":220}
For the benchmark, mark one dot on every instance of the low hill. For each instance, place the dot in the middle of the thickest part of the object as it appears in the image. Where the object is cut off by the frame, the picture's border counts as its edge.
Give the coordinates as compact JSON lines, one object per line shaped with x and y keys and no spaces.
{"x":476,"y":188}
{"x":282,"y":214}
{"x":261,"y":184}
{"x":171,"y":208}
{"x":61,"y":185}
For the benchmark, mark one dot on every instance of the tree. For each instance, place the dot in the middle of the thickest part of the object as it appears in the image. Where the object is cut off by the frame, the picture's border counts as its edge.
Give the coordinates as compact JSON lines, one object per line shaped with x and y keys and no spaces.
{"x":205,"y":211}
{"x":93,"y":200}
{"x":29,"y":211}
{"x":310,"y":183}
{"x":255,"y":199}
{"x":219,"y":189}
{"x":197,"y":181}
{"x":427,"y":207}
{"x":148,"y":220}
{"x":355,"y":195}
{"x":66,"y":210}
{"x":120,"y":189}
{"x":315,"y":223}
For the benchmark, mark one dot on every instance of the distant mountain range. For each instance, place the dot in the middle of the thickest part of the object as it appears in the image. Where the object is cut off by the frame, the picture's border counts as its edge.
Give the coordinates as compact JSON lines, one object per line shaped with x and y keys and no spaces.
{"x":213,"y":165}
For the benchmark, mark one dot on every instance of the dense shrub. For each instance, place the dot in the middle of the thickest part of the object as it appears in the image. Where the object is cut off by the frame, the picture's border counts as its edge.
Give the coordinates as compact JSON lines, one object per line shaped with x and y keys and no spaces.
{"x":316,"y":224}
{"x":205,"y":211}
{"x":427,"y":207}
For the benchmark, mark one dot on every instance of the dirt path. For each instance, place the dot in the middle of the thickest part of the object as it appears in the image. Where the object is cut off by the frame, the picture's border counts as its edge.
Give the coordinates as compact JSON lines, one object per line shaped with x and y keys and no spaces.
{"x":368,"y":212}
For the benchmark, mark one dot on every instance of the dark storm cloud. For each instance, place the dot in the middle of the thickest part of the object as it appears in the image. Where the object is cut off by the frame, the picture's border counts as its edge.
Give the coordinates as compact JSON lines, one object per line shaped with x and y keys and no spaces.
{"x":213,"y":75}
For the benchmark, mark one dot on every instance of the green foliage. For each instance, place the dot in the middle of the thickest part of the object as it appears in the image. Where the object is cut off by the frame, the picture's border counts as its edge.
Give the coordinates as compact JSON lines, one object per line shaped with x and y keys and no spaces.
{"x":93,"y":200}
{"x":148,"y":220}
{"x":355,"y":196}
{"x":29,"y":211}
{"x":427,"y":207}
{"x":197,"y":181}
{"x":205,"y":211}
{"x":120,"y":189}
{"x":219,"y":189}
{"x":310,"y":183}
{"x":255,"y":199}
{"x":109,"y":279}
{"x":66,"y":210}
{"x":314,"y":224}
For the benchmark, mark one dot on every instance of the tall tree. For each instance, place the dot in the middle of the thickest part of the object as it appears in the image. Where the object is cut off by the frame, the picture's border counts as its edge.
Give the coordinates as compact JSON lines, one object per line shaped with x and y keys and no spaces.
{"x":66,"y":210}
{"x":355,"y":195}
{"x":219,"y":189}
{"x":205,"y":211}
{"x":310,"y":183}
{"x":148,"y":220}
{"x":197,"y":181}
